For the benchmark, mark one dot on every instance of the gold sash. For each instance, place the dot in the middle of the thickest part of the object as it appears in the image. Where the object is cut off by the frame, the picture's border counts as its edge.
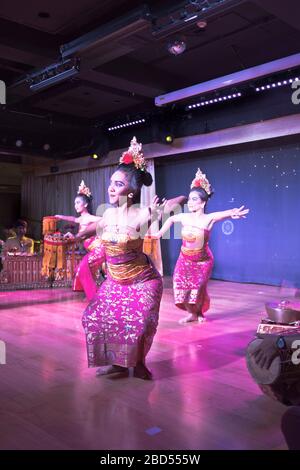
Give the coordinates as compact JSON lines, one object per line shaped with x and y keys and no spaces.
{"x":191,"y":251}
{"x":129,"y":270}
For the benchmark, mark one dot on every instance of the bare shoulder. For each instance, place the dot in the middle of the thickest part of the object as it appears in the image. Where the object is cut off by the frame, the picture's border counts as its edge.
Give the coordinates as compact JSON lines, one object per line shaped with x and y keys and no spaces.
{"x":207,"y":217}
{"x":94,"y":218}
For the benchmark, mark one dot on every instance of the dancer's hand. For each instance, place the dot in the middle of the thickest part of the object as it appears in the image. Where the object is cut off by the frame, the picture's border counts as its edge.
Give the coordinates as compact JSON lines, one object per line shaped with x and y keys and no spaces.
{"x":239,"y":213}
{"x":69,"y":235}
{"x":158,"y":207}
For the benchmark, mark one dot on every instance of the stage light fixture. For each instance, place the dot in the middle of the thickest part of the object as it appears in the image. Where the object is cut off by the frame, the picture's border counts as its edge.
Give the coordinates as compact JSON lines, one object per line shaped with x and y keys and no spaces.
{"x":193,"y":12}
{"x":53,"y":74}
{"x":126,"y":124}
{"x":214,"y":100}
{"x":169,"y":139}
{"x":234,"y":79}
{"x":176,"y":47}
{"x":95,"y":156}
{"x":276,"y":84}
{"x":201,"y":24}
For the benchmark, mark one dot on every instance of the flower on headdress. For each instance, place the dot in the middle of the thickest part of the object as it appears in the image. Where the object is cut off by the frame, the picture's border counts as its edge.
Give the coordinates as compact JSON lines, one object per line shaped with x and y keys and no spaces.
{"x":83,"y":189}
{"x":127,"y":158}
{"x":200,"y":181}
{"x":134,"y":155}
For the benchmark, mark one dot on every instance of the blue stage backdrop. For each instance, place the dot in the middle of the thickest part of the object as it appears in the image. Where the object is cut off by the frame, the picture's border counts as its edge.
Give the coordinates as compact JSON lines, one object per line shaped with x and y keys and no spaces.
{"x":264,"y":247}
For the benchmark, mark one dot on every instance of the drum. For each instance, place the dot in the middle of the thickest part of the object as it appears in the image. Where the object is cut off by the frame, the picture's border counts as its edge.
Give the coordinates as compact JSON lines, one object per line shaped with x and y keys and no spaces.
{"x":54,"y":259}
{"x":49,"y":224}
{"x":281,"y":381}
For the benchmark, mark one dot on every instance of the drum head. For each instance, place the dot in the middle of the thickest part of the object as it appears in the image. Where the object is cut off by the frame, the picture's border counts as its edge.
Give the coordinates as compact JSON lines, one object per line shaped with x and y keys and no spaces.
{"x":262,"y":375}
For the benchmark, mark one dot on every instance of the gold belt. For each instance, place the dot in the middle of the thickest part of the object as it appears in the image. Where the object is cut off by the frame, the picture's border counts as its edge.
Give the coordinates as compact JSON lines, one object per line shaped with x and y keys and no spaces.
{"x":191,"y":251}
{"x":127,"y":271}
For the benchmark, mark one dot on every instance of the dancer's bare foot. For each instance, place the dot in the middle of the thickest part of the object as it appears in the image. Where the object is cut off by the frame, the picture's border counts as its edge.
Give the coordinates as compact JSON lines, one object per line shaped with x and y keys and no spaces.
{"x":189,"y":318}
{"x":141,"y":371}
{"x":201,"y":319}
{"x":112,"y":369}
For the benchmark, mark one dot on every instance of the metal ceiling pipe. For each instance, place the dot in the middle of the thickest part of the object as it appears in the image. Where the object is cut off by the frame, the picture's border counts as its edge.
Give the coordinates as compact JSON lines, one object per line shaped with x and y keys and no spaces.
{"x":117,"y":29}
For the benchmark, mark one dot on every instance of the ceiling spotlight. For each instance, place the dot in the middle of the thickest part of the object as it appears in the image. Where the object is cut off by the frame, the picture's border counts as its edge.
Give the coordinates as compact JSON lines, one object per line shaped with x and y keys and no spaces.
{"x":169,"y":139}
{"x":95,"y":156}
{"x":46,"y":147}
{"x":176,"y":47}
{"x":19,"y":143}
{"x":201,"y":24}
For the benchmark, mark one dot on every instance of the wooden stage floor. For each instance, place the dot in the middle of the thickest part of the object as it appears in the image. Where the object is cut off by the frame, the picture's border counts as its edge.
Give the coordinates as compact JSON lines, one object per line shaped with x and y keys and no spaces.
{"x":202,"y":396}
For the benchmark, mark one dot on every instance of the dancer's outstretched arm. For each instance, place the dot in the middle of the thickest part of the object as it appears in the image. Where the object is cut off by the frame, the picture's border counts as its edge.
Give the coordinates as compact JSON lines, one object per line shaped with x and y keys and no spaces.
{"x":171,"y":204}
{"x":167,"y":225}
{"x":91,"y":230}
{"x":236,"y":213}
{"x":68,"y":218}
{"x":165,"y":206}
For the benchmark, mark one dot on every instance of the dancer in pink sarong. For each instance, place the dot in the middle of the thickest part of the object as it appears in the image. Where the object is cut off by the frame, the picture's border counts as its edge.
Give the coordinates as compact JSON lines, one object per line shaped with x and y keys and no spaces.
{"x":85,"y":275}
{"x":121,"y":321}
{"x":195,"y":262}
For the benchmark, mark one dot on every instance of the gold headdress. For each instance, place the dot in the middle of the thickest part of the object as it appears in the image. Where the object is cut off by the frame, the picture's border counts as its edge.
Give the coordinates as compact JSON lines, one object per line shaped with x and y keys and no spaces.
{"x":83,"y":189}
{"x":134,"y":155}
{"x":200,"y":181}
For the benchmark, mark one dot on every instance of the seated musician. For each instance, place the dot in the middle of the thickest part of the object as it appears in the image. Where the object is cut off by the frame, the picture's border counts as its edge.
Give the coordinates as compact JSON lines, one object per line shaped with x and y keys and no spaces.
{"x":19,"y":243}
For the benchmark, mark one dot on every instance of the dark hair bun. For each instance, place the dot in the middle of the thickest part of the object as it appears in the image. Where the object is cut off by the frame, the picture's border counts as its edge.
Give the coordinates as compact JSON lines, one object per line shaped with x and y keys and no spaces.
{"x":147,"y":178}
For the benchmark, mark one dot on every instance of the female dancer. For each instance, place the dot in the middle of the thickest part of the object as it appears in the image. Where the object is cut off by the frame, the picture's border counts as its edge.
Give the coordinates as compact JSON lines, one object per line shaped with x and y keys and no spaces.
{"x":121,"y":321}
{"x":85,"y":275}
{"x":82,"y":204}
{"x":195,"y":262}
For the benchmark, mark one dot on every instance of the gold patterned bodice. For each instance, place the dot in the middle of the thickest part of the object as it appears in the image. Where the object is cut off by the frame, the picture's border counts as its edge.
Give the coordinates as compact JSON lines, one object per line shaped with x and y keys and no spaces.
{"x":194,"y":239}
